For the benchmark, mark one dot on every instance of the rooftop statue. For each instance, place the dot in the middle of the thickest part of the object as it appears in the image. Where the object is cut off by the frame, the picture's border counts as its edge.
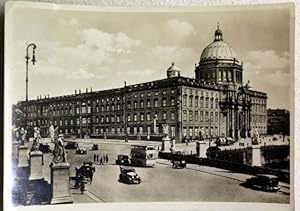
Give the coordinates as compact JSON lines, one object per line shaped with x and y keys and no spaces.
{"x":59,"y":153}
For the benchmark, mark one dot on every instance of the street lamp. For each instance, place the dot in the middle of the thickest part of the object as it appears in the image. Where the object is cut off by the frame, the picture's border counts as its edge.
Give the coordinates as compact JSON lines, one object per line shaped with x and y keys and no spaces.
{"x":33,"y":62}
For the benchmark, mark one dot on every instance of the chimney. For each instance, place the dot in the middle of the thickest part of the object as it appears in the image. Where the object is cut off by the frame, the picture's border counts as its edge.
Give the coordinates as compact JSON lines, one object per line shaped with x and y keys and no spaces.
{"x":79,"y":91}
{"x":75,"y":91}
{"x":91,"y":90}
{"x":86,"y":90}
{"x":48,"y":96}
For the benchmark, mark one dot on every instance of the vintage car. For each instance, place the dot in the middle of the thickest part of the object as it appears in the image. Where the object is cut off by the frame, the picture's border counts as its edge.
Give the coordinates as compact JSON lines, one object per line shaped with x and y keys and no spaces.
{"x":80,"y":150}
{"x":212,"y":152}
{"x":95,"y":147}
{"x":123,"y":160}
{"x":85,"y":171}
{"x":44,"y":148}
{"x":71,"y":145}
{"x":129,"y":176}
{"x":265,"y":182}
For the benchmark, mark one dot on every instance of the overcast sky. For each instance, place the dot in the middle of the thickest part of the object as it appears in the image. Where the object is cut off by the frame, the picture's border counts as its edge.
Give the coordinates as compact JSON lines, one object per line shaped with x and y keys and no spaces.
{"x":100,"y":50}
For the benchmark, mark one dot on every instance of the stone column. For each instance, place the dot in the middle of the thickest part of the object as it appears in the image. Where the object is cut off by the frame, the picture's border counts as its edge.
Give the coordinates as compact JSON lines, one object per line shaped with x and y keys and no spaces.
{"x":60,"y":183}
{"x":22,"y":156}
{"x":200,"y":150}
{"x":255,"y":155}
{"x":36,"y":163}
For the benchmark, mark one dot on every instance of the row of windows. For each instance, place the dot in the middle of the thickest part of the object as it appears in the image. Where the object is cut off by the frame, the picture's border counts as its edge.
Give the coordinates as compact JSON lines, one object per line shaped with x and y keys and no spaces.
{"x":259,"y":108}
{"x":194,"y":116}
{"x":195,"y":131}
{"x":194,"y":102}
{"x":258,"y":118}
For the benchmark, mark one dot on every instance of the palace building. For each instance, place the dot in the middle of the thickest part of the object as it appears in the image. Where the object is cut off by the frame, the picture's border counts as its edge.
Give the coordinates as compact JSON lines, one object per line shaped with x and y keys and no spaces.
{"x":216,"y":103}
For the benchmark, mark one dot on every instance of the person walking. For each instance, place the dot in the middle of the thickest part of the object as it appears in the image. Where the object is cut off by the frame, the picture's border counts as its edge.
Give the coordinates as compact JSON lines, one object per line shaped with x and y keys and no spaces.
{"x":101,"y":161}
{"x":95,"y":157}
{"x":106,"y":158}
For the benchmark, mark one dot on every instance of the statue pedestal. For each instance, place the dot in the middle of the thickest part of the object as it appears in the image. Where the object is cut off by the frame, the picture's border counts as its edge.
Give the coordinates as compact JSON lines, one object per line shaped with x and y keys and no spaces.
{"x":165,"y":144}
{"x":60,"y":183}
{"x":200,"y":151}
{"x":36,"y":163}
{"x":22,"y":156}
{"x":256,"y":156}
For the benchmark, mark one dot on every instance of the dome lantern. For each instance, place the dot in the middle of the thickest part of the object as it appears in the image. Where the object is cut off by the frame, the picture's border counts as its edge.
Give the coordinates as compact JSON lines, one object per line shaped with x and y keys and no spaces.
{"x":218,"y":34}
{"x":173,"y":71}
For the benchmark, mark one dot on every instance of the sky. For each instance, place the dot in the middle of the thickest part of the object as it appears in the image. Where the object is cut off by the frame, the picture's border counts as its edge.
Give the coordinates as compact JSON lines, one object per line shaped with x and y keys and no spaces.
{"x":79,"y":49}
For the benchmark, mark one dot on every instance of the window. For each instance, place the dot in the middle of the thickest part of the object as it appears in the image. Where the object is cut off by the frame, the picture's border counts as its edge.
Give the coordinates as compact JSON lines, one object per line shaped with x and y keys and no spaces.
{"x":172,"y":115}
{"x":66,"y":122}
{"x":83,"y":120}
{"x":217,"y":103}
{"x":118,"y":107}
{"x":129,"y":105}
{"x":89,"y":110}
{"x":172,"y":101}
{"x":135,"y":130}
{"x":191,"y":101}
{"x":191,"y":116}
{"x":173,"y":131}
{"x":142,"y":103}
{"x":97,"y":119}
{"x":202,"y":102}
{"x":164,"y":102}
{"x":184,"y":100}
{"x":135,"y":117}
{"x":107,"y":119}
{"x":191,"y":132}
{"x":148,"y":116}
{"x":113,"y":130}
{"x":97,"y":108}
{"x":196,"y":116}
{"x":206,"y":116}
{"x":60,"y":122}
{"x":128,"y":117}
{"x":102,"y":108}
{"x":196,"y":101}
{"x":216,"y":117}
{"x":184,"y":115}
{"x":148,"y":129}
{"x":148,"y":103}
{"x":135,"y":104}
{"x":112,"y":107}
{"x":142,"y":117}
{"x":206,"y":102}
{"x":83,"y":109}
{"x":211,"y":103}
{"x":155,"y":103}
{"x":141,"y":130}
{"x":118,"y":118}
{"x":211,"y":116}
{"x":164,"y":115}
{"x":128,"y":130}
{"x":102,"y":119}
{"x":107,"y":107}
{"x":113,"y":119}
{"x":88,"y":120}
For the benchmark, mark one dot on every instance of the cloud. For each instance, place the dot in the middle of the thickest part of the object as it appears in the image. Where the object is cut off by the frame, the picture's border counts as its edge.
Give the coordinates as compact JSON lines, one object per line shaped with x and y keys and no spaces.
{"x":81,"y":74}
{"x":266,"y":62}
{"x":111,"y":43}
{"x":181,"y":28}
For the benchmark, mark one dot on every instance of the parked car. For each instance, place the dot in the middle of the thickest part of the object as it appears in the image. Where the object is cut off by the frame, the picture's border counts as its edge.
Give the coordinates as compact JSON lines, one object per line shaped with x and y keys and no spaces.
{"x":80,"y":150}
{"x":265,"y":182}
{"x":212,"y":152}
{"x":44,"y":148}
{"x":123,"y":160}
{"x":95,"y":147}
{"x":129,"y":176}
{"x":71,"y":145}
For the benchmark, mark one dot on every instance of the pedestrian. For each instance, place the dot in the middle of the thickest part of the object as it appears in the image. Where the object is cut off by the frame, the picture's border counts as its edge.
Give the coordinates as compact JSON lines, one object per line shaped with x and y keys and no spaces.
{"x":82,"y":186}
{"x":101,"y":161}
{"x":106,"y":158}
{"x":103,"y":158}
{"x":94,"y":157}
{"x":97,"y":158}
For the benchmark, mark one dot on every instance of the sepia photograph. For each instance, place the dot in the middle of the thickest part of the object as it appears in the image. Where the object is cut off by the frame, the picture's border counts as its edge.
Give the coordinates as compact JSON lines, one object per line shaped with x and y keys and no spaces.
{"x":149,"y":105}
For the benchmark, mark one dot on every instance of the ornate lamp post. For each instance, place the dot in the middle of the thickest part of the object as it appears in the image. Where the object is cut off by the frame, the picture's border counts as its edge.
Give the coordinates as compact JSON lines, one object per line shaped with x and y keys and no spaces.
{"x":33,"y":62}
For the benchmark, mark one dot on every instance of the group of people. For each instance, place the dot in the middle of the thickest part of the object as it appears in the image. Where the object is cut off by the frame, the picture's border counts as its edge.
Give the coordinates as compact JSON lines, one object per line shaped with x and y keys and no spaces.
{"x":100,"y":159}
{"x":20,"y":135}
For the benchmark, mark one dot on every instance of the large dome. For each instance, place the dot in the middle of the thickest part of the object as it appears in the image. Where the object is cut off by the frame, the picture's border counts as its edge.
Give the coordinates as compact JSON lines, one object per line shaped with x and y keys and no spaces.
{"x":218,"y":50}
